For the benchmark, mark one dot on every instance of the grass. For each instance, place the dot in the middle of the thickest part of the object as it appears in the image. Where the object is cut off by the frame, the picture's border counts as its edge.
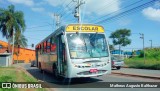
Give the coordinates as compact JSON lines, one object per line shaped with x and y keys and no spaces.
{"x":11,"y":74}
{"x":138,"y":62}
{"x":152,"y":59}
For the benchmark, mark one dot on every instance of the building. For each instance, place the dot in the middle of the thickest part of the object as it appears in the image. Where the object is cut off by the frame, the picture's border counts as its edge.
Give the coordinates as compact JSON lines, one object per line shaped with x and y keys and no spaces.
{"x":117,"y":52}
{"x":21,"y":55}
{"x":5,"y":57}
{"x":125,"y":54}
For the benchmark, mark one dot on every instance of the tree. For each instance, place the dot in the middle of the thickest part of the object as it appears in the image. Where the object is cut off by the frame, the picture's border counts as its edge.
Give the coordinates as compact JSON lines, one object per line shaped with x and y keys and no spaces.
{"x":11,"y":21}
{"x":20,"y":41}
{"x":120,"y":37}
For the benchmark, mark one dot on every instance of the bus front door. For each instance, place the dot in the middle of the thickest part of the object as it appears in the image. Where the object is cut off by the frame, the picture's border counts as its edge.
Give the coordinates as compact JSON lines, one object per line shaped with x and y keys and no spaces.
{"x":61,"y":56}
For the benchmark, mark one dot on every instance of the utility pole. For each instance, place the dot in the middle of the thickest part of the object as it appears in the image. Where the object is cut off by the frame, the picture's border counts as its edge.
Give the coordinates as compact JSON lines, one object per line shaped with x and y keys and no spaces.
{"x":57,"y":18}
{"x":151,"y":43}
{"x":77,"y":13}
{"x":142,"y":37}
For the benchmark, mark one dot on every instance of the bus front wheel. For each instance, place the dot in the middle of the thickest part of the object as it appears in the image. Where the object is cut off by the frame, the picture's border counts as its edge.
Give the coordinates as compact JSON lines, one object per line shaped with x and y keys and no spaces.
{"x":55,"y":71}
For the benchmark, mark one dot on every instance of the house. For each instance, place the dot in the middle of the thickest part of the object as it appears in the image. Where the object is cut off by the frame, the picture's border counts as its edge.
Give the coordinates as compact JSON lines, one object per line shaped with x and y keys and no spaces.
{"x":21,"y":55}
{"x":5,"y":57}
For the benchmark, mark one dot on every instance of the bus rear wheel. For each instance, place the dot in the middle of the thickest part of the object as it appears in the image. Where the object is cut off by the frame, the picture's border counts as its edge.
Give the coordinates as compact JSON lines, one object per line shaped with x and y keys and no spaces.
{"x":40,"y":67}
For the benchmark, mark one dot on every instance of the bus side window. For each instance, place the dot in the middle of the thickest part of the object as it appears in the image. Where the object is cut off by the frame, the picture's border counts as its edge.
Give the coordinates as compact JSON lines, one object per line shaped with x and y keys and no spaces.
{"x":39,"y":50}
{"x":45,"y":47}
{"x":42,"y":48}
{"x":48,"y":46}
{"x":53,"y":45}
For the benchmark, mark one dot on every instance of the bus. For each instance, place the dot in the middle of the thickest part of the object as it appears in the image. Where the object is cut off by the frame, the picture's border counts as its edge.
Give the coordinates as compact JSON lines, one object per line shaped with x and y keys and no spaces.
{"x":74,"y":51}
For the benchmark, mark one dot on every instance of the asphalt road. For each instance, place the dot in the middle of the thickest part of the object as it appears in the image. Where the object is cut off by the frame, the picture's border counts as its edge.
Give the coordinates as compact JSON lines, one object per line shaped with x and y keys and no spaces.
{"x":139,"y":71}
{"x":85,"y":84}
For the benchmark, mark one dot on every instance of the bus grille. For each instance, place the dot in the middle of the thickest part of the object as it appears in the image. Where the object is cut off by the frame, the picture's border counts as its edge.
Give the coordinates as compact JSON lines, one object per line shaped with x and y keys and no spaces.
{"x":89,"y":73}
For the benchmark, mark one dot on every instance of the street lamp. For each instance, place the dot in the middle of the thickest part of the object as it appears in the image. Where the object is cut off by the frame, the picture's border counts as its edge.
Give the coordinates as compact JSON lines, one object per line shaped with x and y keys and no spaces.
{"x":151,"y":43}
{"x":142,"y":37}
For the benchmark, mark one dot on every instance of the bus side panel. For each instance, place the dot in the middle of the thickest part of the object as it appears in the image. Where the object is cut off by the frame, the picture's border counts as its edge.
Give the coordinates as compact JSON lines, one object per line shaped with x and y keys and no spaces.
{"x":53,"y":60}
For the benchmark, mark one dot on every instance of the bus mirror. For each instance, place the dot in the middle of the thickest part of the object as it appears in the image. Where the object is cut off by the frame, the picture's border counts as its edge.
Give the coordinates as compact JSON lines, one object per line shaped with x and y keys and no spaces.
{"x":62,"y":37}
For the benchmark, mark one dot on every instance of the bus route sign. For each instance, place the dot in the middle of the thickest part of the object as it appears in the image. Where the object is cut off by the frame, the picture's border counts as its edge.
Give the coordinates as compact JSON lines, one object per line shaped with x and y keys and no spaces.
{"x":84,"y":28}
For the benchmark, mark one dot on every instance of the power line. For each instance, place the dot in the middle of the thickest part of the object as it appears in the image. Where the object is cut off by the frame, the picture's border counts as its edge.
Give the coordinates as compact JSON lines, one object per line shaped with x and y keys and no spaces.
{"x":64,"y":1}
{"x":66,"y":11}
{"x":117,"y":11}
{"x":128,"y":11}
{"x":33,"y":38}
{"x":66,"y":14}
{"x":63,"y":12}
{"x":39,"y":30}
{"x":39,"y":26}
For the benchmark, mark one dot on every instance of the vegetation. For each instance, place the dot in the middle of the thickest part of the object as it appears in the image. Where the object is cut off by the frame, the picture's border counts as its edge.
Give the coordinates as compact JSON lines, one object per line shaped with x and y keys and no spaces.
{"x":15,"y":75}
{"x":12,"y":22}
{"x":20,"y":40}
{"x":120,"y":37}
{"x":152,"y":60}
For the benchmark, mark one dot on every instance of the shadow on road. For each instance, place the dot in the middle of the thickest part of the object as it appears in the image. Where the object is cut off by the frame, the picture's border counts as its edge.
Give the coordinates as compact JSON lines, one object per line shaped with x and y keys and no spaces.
{"x":49,"y":78}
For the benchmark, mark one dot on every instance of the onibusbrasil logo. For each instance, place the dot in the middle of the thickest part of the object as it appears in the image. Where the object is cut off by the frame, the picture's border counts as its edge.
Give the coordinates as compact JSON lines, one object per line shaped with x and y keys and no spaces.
{"x":21,"y":85}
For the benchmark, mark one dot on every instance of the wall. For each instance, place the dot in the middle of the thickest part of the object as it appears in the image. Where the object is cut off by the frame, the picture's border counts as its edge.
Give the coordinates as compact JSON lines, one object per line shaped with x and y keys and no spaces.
{"x":24,"y":54}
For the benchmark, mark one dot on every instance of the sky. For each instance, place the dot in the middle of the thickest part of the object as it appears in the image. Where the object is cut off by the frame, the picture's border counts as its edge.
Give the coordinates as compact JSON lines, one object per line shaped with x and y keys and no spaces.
{"x":40,"y":20}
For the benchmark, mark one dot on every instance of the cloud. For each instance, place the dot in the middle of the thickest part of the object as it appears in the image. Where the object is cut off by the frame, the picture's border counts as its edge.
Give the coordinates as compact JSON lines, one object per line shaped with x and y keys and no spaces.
{"x":90,"y":6}
{"x":25,"y":2}
{"x":38,"y":9}
{"x":157,"y":4}
{"x":51,"y":15}
{"x":124,"y":22}
{"x":55,"y":2}
{"x":40,"y":3}
{"x":152,"y":13}
{"x":101,"y":7}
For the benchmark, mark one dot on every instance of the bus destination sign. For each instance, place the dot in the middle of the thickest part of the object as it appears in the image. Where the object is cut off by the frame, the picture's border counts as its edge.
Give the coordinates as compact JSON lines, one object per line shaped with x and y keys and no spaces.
{"x":84,"y":28}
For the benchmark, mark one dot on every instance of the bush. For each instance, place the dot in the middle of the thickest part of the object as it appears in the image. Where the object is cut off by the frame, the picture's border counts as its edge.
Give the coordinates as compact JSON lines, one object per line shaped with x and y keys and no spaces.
{"x":152,"y":59}
{"x":141,"y":54}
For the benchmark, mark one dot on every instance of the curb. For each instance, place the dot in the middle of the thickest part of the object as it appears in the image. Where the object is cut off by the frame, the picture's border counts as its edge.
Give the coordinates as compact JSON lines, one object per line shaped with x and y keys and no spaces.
{"x":136,"y":75}
{"x":24,"y":70}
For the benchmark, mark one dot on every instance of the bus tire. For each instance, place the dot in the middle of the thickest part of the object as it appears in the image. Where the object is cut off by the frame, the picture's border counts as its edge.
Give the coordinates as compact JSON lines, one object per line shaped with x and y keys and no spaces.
{"x":55,"y":71}
{"x":56,"y":74}
{"x":40,"y":67}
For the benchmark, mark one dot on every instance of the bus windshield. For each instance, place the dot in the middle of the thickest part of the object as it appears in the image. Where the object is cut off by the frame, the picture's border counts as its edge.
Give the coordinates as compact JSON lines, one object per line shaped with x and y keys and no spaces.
{"x":87,"y":45}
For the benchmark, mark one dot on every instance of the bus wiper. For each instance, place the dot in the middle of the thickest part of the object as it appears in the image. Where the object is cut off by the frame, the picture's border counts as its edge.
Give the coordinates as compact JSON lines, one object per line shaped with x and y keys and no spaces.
{"x":94,"y":36}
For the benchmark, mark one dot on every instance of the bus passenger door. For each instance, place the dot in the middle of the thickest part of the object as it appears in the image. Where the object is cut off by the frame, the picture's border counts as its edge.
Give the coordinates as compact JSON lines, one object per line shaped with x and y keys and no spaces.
{"x":61,"y":56}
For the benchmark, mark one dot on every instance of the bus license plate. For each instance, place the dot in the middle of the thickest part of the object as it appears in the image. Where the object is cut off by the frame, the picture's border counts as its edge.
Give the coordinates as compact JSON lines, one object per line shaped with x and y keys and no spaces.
{"x":93,"y":70}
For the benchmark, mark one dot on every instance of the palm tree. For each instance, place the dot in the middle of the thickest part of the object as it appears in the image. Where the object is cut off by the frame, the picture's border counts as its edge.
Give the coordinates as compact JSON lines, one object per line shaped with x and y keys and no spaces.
{"x":11,"y":21}
{"x":20,"y":41}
